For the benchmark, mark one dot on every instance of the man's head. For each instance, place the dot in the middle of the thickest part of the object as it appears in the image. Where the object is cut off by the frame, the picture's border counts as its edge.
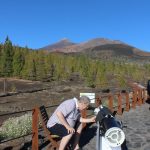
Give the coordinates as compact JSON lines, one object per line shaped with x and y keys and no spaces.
{"x":83,"y":102}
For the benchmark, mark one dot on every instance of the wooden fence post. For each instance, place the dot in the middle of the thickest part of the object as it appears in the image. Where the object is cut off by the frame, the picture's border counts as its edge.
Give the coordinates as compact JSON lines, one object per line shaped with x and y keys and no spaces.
{"x":139,"y":96}
{"x":127,"y":101}
{"x":84,"y":115}
{"x":134,"y":99}
{"x":145,"y":97}
{"x":98,"y":102}
{"x":110,"y":103}
{"x":5,"y":85}
{"x":119,"y":111}
{"x":35,"y":121}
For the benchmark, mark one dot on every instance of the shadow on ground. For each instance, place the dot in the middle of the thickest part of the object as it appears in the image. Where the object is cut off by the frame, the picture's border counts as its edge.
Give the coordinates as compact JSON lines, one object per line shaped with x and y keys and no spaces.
{"x":148,"y":102}
{"x":8,"y":148}
{"x":42,"y":144}
{"x":88,"y":134}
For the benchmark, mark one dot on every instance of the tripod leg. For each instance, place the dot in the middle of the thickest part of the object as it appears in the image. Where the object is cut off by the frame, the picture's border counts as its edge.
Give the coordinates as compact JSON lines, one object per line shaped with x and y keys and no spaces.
{"x":98,"y":137}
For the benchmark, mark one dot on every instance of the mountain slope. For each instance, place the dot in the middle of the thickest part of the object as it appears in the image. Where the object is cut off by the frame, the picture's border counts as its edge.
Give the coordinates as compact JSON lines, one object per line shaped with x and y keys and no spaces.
{"x":96,"y":47}
{"x":59,"y":45}
{"x":68,"y":46}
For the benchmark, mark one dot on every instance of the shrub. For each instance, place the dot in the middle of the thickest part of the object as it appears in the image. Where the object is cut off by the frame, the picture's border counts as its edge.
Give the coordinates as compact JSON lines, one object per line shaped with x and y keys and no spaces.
{"x":13,"y":88}
{"x":16,"y":126}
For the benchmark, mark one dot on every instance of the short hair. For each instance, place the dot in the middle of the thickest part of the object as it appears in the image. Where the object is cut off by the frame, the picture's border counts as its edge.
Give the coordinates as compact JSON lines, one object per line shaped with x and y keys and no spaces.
{"x":84,"y":99}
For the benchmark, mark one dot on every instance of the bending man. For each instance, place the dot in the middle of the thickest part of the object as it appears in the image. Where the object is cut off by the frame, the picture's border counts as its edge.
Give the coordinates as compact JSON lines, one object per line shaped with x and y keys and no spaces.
{"x":66,"y":120}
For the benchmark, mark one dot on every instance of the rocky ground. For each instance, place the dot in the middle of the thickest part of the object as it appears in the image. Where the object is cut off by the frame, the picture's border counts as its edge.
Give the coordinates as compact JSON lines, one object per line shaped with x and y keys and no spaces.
{"x":137,"y":120}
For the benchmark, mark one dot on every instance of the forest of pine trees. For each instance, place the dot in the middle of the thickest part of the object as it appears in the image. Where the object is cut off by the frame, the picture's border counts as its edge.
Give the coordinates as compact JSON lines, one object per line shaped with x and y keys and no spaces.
{"x":29,"y":64}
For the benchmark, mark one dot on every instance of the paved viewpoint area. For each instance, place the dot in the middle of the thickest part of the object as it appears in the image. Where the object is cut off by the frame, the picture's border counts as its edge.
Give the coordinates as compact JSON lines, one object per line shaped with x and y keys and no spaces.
{"x":137,"y":131}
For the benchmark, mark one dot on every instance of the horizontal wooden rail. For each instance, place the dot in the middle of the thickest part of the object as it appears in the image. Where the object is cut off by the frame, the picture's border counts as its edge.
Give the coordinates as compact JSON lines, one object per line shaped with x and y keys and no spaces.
{"x":23,"y":111}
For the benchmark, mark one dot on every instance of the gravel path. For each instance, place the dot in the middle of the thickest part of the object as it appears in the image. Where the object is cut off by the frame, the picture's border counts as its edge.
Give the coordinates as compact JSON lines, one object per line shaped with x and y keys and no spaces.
{"x":137,"y":131}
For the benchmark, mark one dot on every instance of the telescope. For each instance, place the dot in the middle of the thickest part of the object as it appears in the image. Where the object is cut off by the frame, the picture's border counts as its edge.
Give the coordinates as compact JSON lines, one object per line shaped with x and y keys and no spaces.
{"x":110,"y":135}
{"x":148,"y":87}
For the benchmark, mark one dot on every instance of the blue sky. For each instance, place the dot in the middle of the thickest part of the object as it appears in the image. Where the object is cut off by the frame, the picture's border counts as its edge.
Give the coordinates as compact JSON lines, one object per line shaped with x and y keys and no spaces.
{"x":37,"y":23}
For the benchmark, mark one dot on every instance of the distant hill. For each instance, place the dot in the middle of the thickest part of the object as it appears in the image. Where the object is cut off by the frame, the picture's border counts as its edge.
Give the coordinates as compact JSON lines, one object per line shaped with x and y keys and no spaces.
{"x":98,"y":47}
{"x":59,"y":45}
{"x":66,"y":46}
{"x":116,"y":50}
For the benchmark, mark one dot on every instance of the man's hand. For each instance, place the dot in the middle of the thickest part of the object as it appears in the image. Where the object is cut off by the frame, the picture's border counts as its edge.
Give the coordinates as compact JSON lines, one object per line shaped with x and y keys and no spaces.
{"x":64,"y":122}
{"x":70,"y":130}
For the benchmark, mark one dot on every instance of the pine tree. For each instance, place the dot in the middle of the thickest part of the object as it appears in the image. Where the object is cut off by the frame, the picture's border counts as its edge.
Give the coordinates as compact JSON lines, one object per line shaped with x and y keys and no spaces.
{"x":1,"y":60}
{"x":7,"y":58}
{"x":18,"y":62}
{"x":40,"y":66}
{"x":29,"y":68}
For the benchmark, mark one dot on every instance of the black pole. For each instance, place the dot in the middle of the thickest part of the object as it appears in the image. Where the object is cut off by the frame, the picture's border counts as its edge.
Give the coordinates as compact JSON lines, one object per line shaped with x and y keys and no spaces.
{"x":98,"y":137}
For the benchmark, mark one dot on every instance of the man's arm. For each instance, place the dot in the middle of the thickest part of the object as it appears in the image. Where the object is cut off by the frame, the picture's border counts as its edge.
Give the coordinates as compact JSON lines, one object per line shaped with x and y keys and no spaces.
{"x":64,"y":122}
{"x":87,"y":120}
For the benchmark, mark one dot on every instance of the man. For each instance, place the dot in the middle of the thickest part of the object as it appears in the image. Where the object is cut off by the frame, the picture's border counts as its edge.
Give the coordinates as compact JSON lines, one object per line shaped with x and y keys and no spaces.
{"x":65,"y":119}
